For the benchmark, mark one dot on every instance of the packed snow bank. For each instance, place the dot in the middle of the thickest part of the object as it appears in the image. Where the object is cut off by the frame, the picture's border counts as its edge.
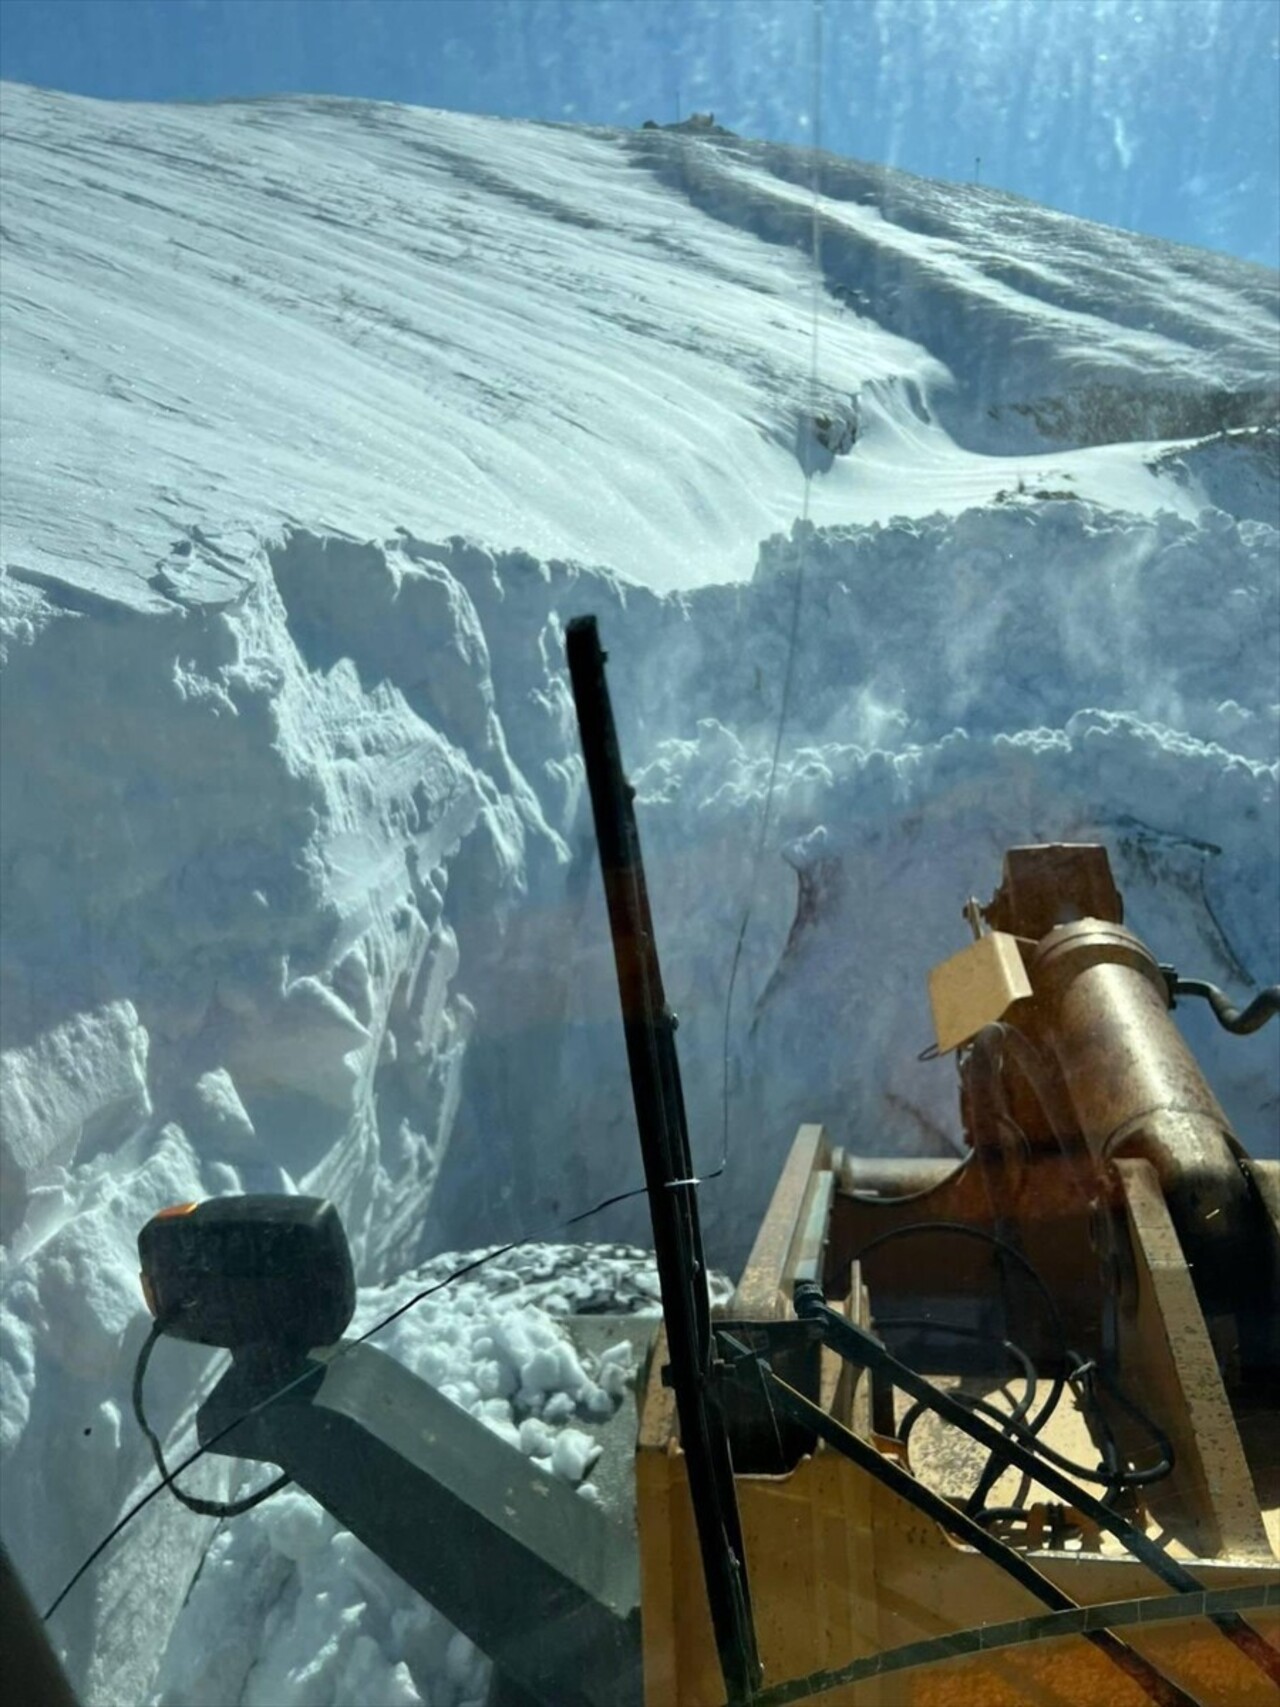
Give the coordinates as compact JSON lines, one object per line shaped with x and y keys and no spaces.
{"x":207,"y":840}
{"x":313,"y":902}
{"x":940,"y":713}
{"x":277,"y":885}
{"x":227,"y":966}
{"x":1237,"y":472}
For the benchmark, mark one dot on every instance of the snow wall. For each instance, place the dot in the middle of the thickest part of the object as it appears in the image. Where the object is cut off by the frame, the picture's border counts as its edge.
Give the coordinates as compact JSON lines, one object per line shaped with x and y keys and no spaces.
{"x":301,"y":892}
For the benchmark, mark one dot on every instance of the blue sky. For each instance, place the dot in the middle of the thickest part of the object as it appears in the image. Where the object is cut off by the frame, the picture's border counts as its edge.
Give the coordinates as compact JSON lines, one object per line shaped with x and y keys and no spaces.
{"x":1159,"y":115}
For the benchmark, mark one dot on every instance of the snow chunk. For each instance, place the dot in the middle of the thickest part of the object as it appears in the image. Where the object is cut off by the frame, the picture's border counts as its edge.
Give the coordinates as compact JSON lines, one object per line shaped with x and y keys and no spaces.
{"x":536,"y":1439}
{"x":305,"y":1045}
{"x":573,"y":1453}
{"x":78,"y":1089}
{"x":216,"y":1119}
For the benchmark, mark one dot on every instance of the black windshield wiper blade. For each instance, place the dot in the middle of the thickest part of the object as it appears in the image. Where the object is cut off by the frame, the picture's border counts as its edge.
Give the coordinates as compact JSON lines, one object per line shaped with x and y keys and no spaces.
{"x":649,"y":1026}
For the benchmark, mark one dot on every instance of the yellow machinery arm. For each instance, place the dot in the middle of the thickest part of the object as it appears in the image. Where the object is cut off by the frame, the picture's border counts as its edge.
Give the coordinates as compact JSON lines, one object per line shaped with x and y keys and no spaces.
{"x":1106,"y":1236}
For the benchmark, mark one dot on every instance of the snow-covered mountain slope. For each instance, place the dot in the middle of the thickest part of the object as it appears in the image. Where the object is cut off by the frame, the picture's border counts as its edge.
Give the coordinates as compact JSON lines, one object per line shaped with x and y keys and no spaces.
{"x":319,"y":420}
{"x":586,"y":344}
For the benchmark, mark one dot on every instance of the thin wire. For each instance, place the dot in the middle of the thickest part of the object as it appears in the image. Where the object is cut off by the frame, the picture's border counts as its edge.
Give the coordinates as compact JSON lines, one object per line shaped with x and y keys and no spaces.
{"x":766,"y":816}
{"x":193,"y":1502}
{"x":467,"y":1268}
{"x":608,"y":1202}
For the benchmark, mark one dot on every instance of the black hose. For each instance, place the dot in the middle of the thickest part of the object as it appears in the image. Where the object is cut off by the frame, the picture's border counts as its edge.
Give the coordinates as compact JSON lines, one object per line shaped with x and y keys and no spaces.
{"x":1020,"y":1408}
{"x":996,"y":1464}
{"x":864,"y":1350}
{"x":1159,"y":1688}
{"x":205,"y":1508}
{"x":1103,"y":1473}
{"x":1015,"y":1423}
{"x":1264,"y":1006}
{"x":1132,"y":1478}
{"x":1110,"y":1473}
{"x":1020,"y":1357}
{"x":913,"y":1229}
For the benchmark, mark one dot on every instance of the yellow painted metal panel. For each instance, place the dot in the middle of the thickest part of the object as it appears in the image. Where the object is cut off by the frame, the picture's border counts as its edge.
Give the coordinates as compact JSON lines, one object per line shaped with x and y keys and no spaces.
{"x":975,"y":988}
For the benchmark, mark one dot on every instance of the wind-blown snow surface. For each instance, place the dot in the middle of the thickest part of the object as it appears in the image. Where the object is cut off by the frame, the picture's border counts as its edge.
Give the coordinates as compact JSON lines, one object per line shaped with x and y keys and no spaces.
{"x":313,"y":413}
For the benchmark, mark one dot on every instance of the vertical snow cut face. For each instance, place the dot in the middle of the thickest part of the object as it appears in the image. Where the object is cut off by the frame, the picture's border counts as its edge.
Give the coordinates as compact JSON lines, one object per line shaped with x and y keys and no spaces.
{"x":301,"y":894}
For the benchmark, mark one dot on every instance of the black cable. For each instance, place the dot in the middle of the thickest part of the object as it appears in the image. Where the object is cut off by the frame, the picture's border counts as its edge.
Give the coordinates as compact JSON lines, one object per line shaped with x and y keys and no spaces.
{"x":913,"y":1229}
{"x":1016,"y":1353}
{"x":205,"y":1508}
{"x":1109,"y":1473}
{"x":997,"y":1463}
{"x":1012,"y":1421}
{"x":1128,"y":1478}
{"x":139,"y":1505}
{"x":1160,"y":1688}
{"x":1101,"y":1473}
{"x":168,"y":1476}
{"x":865,"y":1351}
{"x":307,"y":1374}
{"x":1021,"y":1358}
{"x":912,"y":1415}
{"x":1264,"y":1006}
{"x":1040,"y":1075}
{"x":974,"y":1506}
{"x":1083,"y":1381}
{"x":985,"y":1098}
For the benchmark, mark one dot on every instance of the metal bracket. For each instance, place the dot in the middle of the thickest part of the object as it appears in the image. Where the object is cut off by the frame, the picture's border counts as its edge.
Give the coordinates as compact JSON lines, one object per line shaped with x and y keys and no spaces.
{"x":541,"y":1581}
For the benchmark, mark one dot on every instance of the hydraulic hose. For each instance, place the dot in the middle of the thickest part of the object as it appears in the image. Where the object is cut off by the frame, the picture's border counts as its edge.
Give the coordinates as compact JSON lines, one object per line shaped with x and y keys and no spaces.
{"x":1252,"y":1017}
{"x":862,"y":1349}
{"x":1160,"y":1689}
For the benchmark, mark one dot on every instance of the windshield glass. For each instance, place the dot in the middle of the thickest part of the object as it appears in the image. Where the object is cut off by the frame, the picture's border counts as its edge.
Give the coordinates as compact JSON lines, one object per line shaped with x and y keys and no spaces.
{"x":897,"y":383}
